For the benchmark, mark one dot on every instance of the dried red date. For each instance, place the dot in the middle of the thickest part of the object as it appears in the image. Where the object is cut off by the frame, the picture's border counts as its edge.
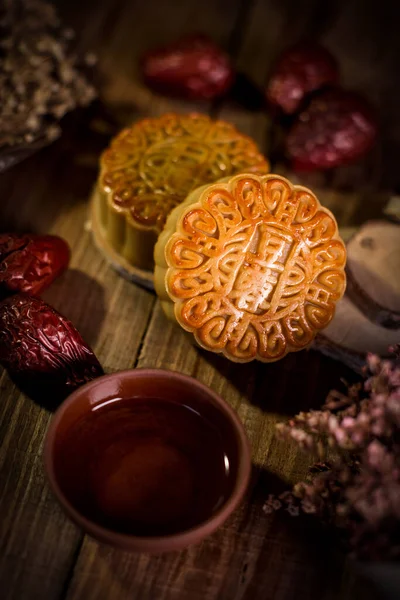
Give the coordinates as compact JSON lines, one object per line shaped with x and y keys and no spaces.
{"x":337,"y":128}
{"x":193,"y":67}
{"x":30,"y":263}
{"x":42,"y":350}
{"x":301,"y":69}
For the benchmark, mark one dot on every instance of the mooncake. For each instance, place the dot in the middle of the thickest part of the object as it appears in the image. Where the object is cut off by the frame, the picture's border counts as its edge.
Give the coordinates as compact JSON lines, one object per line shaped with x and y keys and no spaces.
{"x":252,"y":266}
{"x":151,"y":167}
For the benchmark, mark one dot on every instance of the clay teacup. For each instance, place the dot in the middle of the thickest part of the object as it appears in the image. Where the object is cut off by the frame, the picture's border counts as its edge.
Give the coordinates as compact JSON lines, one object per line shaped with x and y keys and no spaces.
{"x":147,"y":460}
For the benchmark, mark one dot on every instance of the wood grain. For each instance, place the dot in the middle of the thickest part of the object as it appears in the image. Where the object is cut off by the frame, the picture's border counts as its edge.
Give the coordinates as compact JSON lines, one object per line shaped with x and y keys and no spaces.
{"x":37,"y":541}
{"x":254,"y":556}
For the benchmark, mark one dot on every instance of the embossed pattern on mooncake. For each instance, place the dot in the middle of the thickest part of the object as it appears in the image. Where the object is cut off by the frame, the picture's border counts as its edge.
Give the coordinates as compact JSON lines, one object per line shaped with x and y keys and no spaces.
{"x":255,"y":267}
{"x":152,"y":166}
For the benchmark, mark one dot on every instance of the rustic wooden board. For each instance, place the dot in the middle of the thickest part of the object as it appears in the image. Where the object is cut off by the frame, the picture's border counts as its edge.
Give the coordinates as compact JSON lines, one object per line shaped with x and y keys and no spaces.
{"x":39,"y":543}
{"x":253,"y":556}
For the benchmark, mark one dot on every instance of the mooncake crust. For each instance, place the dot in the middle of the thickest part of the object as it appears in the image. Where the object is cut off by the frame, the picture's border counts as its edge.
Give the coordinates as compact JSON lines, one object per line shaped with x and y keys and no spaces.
{"x":252,"y":266}
{"x":151,"y":167}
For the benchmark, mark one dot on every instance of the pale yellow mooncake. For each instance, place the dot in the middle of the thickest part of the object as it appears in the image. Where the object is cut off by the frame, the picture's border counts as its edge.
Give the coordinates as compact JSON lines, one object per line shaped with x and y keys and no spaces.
{"x":151,"y":167}
{"x":251,"y":266}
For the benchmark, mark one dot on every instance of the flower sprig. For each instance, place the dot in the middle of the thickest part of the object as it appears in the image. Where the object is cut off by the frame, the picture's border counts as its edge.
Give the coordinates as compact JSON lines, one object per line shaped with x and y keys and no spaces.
{"x":355,"y":485}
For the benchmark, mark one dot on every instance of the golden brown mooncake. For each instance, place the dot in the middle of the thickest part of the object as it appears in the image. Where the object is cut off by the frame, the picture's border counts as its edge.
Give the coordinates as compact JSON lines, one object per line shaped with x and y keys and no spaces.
{"x":151,"y":167}
{"x":252,"y":266}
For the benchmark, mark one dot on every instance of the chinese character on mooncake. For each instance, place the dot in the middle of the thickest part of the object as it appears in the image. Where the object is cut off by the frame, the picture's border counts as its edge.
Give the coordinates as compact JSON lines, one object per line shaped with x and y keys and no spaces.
{"x":252,"y":266}
{"x":151,"y":167}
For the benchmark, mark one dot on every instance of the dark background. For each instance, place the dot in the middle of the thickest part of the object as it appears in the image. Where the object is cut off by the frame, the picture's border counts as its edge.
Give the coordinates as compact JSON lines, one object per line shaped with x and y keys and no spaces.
{"x":362,"y":34}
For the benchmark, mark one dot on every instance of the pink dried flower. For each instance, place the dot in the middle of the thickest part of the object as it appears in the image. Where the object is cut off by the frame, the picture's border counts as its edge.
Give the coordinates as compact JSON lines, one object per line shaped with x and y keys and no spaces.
{"x":275,"y":503}
{"x":358,"y":492}
{"x":272,"y":504}
{"x":341,"y":436}
{"x":294,"y":511}
{"x":333,"y":423}
{"x":307,"y":506}
{"x":376,"y":455}
{"x":347,"y":422}
{"x":268,"y":508}
{"x":357,"y":437}
{"x":373,"y":362}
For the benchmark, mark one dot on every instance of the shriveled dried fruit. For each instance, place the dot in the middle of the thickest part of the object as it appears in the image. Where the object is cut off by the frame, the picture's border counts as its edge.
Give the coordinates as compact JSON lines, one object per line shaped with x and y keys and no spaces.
{"x":30,"y":263}
{"x":42,"y":350}
{"x":194,"y":67}
{"x":301,"y":69}
{"x":338,"y":127}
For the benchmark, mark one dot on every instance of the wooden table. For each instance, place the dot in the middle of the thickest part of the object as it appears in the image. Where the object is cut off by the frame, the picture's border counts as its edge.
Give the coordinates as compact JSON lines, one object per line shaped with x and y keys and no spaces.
{"x":254,"y":556}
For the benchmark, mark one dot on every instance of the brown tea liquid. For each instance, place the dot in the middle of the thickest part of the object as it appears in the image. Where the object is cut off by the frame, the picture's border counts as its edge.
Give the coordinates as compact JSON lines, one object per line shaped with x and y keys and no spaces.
{"x":144,"y":466}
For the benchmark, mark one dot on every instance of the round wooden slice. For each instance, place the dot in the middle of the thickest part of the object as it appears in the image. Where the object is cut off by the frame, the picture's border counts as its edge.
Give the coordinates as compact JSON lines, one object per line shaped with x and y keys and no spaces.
{"x":392,"y":209}
{"x":373,"y":272}
{"x":354,"y":360}
{"x":351,"y":330}
{"x":121,"y":265}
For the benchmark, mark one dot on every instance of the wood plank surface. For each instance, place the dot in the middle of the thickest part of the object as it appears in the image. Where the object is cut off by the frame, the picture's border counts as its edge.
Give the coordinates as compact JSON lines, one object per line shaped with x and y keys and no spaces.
{"x":253,"y":556}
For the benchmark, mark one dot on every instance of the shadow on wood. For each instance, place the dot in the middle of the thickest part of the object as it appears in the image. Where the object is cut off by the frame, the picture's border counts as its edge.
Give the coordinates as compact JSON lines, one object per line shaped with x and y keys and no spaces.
{"x":298,"y":382}
{"x":253,"y":556}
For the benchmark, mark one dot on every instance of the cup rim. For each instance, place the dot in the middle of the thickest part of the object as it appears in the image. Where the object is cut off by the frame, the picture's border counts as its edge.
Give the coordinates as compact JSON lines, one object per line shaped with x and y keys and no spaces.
{"x":162,"y":543}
